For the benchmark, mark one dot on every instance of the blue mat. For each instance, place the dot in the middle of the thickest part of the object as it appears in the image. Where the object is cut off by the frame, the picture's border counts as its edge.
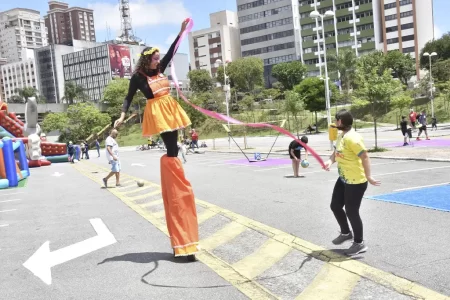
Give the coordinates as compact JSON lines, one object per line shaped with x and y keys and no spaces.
{"x":433,"y":197}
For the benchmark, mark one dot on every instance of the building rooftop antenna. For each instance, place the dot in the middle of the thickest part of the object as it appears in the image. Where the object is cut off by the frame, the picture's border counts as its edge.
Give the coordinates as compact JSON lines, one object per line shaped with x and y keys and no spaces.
{"x":126,"y":36}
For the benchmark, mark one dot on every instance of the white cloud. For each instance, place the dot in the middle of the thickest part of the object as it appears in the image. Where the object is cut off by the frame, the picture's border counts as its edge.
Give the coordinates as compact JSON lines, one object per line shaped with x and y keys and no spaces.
{"x":142,"y":13}
{"x":437,"y":32}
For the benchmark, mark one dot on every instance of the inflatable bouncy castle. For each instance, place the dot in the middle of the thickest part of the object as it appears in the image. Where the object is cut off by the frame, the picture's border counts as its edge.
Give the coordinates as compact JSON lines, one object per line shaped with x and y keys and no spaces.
{"x":12,"y":171}
{"x":39,"y":153}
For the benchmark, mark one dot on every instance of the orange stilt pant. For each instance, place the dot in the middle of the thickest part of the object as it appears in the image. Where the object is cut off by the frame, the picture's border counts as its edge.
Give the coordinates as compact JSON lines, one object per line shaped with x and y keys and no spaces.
{"x":179,"y":206}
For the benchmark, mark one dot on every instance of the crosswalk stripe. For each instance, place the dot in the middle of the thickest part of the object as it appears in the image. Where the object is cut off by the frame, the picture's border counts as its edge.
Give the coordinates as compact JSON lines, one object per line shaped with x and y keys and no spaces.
{"x":205,"y":215}
{"x":138,"y":189}
{"x":223,"y":235}
{"x":148,"y":195}
{"x":262,"y":259}
{"x":330,"y":283}
{"x":152,"y":203}
{"x":159,"y":214}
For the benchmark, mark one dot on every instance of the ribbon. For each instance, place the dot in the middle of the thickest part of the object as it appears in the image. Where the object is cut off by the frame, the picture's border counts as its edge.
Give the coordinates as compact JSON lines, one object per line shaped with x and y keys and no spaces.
{"x":224,"y":118}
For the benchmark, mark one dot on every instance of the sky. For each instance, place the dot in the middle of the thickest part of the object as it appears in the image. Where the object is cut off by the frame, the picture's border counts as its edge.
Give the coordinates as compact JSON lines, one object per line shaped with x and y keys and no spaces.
{"x":157,"y":22}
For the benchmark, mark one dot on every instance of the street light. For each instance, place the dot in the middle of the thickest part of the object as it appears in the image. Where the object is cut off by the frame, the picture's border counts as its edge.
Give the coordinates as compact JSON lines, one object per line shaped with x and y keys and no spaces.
{"x":226,"y":88}
{"x":316,"y":15}
{"x":431,"y":82}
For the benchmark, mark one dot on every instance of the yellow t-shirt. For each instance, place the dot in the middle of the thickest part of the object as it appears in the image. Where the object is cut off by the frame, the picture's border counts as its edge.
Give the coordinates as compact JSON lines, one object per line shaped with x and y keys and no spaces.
{"x":348,"y":149}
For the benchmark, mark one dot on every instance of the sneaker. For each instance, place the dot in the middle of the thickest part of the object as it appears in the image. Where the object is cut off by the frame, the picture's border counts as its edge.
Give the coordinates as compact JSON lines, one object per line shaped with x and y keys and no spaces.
{"x":356,"y":249}
{"x":405,"y":144}
{"x":105,"y":182}
{"x":342,"y":238}
{"x":418,"y":139}
{"x":428,"y":139}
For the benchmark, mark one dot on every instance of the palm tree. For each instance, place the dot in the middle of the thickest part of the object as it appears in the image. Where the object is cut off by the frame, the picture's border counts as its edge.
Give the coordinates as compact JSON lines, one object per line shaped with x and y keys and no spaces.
{"x":345,"y":64}
{"x":26,"y":92}
{"x":73,"y":91}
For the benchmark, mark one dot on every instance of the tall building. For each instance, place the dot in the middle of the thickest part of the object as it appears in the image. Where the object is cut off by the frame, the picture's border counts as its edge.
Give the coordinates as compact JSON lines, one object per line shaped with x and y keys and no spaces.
{"x":18,"y":75}
{"x":21,"y":30}
{"x":220,"y":41}
{"x":66,"y":24}
{"x":282,"y":30}
{"x":407,"y":25}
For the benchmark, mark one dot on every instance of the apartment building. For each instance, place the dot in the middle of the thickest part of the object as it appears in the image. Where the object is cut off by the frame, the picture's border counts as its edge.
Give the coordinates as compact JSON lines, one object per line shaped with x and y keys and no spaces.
{"x":67,"y":24}
{"x":220,"y":41}
{"x":21,"y":30}
{"x":18,"y":75}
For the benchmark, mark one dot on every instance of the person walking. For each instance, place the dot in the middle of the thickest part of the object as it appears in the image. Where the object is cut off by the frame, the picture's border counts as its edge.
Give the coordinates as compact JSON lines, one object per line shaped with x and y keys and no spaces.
{"x":112,"y":155}
{"x":422,"y":125}
{"x":71,"y":151}
{"x":97,"y":146}
{"x":164,"y":116}
{"x":354,"y":174}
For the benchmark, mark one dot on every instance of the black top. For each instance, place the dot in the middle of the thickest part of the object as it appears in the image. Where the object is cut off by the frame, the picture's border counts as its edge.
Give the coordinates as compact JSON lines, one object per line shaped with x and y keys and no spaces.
{"x":294,"y":145}
{"x":404,"y":125}
{"x":139,"y":81}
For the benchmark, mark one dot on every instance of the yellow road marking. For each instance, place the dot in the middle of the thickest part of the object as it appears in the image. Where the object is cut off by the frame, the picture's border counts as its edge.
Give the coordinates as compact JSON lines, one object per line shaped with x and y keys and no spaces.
{"x":205,"y":215}
{"x":137,"y":189}
{"x":252,"y":289}
{"x":152,"y":203}
{"x":159,"y":214}
{"x":330,"y":283}
{"x":262,"y":259}
{"x":148,"y":195}
{"x":223,"y":236}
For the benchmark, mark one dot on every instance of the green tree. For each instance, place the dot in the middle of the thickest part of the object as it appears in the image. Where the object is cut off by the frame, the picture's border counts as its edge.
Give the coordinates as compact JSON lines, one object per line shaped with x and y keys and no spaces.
{"x":114,"y":95}
{"x":293,"y":105}
{"x":441,"y":70}
{"x":26,"y":92}
{"x":441,"y":46}
{"x":197,"y":118}
{"x":376,"y":86}
{"x":16,"y":99}
{"x":246,"y":73}
{"x":200,"y":81}
{"x":73,"y":92}
{"x":403,"y":66}
{"x":345,"y":64}
{"x":312,"y":90}
{"x":446,"y":96}
{"x":289,"y":73}
{"x":80,"y":121}
{"x":402,"y":101}
{"x":272,"y":93}
{"x":219,"y":74}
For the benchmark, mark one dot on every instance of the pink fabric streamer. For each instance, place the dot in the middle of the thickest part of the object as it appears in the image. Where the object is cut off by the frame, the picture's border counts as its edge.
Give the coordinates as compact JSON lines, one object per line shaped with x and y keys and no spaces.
{"x":224,"y":118}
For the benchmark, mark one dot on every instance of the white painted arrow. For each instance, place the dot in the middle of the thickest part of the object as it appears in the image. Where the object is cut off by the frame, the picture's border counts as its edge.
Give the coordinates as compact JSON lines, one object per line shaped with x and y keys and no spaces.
{"x":41,"y":262}
{"x":138,"y":165}
{"x":57,"y":174}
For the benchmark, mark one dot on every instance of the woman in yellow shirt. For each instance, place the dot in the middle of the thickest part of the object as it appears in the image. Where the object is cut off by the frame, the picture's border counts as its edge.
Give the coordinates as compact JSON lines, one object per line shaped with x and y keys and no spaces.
{"x":354,"y":173}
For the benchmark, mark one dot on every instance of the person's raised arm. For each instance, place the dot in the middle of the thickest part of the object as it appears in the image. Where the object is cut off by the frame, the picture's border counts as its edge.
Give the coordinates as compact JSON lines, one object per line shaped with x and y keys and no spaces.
{"x":132,"y":89}
{"x":171,"y":52}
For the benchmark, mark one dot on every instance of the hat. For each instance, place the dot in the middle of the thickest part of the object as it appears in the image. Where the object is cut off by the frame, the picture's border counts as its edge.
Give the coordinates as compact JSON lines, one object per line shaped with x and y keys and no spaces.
{"x":70,"y":142}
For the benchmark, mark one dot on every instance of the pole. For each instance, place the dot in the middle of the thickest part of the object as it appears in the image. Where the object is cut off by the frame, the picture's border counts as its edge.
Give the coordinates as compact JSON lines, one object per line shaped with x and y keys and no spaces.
{"x":431,"y":90}
{"x":227,"y":100}
{"x":327,"y":88}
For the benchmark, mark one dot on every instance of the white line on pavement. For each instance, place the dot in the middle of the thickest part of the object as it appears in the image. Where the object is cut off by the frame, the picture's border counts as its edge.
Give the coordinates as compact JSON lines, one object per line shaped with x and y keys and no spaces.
{"x":420,"y":187}
{"x":2,"y":211}
{"x":11,"y":193}
{"x":12,"y":200}
{"x":3,"y":225}
{"x":407,"y":171}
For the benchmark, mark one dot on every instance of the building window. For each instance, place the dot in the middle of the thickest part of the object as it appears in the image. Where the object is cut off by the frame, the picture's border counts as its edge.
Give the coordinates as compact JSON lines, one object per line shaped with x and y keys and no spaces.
{"x":390,"y":5}
{"x":268,"y":49}
{"x":266,"y":25}
{"x":409,"y":49}
{"x":407,"y":26}
{"x":408,"y":38}
{"x":392,"y":41}
{"x":390,"y":17}
{"x":406,"y":14}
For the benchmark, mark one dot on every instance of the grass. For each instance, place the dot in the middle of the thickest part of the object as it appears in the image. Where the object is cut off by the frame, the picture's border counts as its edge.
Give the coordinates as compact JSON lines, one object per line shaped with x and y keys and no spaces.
{"x":377,"y":149}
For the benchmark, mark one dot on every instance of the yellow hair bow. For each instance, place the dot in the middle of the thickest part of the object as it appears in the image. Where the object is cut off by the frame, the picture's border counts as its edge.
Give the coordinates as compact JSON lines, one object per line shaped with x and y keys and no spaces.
{"x":150,"y":51}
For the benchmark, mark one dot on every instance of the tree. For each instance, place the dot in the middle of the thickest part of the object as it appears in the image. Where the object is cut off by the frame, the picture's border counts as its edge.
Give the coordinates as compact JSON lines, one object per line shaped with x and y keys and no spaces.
{"x":345,"y":64}
{"x":80,"y":121}
{"x":197,"y":118}
{"x":441,"y":46}
{"x":312,"y":90}
{"x":115,"y":93}
{"x":219,"y":74}
{"x":272,"y":93}
{"x":26,"y":92}
{"x":441,"y":70}
{"x":402,"y":101}
{"x":246,"y":73}
{"x":289,"y":73}
{"x":376,"y":86}
{"x":200,"y":81}
{"x":403,"y":66}
{"x":293,"y":105}
{"x":16,"y":99}
{"x":72,"y":92}
{"x":446,"y":96}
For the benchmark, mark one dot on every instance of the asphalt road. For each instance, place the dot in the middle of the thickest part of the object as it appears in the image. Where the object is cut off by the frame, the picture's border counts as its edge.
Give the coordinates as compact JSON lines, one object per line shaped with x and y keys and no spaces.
{"x":408,"y":242}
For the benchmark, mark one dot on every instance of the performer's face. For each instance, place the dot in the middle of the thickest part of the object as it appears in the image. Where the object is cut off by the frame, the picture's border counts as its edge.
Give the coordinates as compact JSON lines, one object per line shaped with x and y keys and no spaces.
{"x":154,"y":60}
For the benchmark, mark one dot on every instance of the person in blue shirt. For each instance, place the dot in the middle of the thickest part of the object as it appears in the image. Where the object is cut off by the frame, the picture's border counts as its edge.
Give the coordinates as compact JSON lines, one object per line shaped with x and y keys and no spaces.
{"x":295,"y":154}
{"x":97,"y":145}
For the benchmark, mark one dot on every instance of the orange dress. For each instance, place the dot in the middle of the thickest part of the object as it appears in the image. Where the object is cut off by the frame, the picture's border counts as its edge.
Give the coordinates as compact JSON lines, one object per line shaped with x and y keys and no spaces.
{"x":162,"y":113}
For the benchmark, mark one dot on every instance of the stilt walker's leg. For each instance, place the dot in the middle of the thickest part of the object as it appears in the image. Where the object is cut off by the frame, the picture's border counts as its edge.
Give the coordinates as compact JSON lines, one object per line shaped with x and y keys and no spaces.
{"x":179,"y":204}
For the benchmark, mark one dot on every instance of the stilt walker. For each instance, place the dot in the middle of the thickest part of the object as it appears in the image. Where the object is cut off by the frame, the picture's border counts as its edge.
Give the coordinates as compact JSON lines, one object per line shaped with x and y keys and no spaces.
{"x":163,"y":115}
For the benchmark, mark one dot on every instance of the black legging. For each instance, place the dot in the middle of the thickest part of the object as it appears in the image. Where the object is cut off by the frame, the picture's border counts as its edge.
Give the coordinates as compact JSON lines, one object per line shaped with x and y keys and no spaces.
{"x":351,"y":196}
{"x":170,"y":140}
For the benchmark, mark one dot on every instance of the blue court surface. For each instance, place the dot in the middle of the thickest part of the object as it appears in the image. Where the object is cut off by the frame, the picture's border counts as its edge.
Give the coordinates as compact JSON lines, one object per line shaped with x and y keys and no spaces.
{"x":432,"y":197}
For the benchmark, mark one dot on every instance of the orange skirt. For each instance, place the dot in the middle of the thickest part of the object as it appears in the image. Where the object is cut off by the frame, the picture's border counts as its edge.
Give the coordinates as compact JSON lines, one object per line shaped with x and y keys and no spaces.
{"x":163,"y":114}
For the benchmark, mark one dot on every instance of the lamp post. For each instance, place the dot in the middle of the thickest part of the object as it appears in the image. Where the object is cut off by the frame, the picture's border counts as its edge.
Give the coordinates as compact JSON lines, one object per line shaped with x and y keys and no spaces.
{"x":431,"y":82}
{"x":316,"y":15}
{"x":226,"y":88}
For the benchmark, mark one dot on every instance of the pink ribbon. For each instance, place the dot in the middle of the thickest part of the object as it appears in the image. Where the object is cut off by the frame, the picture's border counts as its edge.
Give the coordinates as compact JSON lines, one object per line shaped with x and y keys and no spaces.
{"x":224,"y":118}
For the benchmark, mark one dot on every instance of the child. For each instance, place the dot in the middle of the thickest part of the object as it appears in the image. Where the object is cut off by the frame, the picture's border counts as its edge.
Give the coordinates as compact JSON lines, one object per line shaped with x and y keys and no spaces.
{"x":295,"y":154}
{"x":433,"y":123}
{"x":405,"y":131}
